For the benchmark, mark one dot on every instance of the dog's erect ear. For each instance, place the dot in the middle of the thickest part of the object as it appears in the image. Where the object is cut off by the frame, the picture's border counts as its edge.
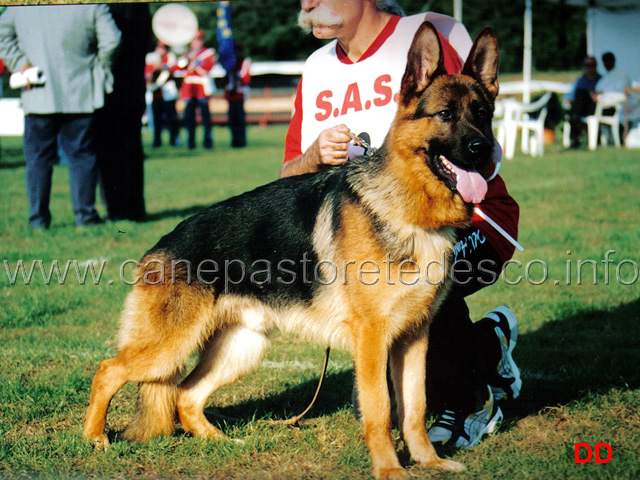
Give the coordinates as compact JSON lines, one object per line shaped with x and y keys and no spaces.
{"x":424,"y":62}
{"x":482,"y":63}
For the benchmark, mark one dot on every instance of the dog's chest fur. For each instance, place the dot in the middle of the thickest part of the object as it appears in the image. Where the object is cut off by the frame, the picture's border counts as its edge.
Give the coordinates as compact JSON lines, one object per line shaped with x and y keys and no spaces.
{"x":402,"y":285}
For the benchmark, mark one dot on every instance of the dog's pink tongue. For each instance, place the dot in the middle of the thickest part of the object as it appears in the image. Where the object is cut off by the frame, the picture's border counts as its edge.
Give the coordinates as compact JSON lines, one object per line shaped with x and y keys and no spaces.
{"x":471,"y":185}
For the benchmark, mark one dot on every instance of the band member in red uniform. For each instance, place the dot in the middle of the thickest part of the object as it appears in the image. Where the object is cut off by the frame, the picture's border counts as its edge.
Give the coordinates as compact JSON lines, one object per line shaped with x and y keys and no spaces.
{"x":196,"y":89}
{"x":159,"y":69}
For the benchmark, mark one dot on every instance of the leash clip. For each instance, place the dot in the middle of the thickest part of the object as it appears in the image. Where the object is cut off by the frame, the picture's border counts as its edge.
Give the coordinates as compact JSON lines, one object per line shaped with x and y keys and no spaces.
{"x":361,"y":142}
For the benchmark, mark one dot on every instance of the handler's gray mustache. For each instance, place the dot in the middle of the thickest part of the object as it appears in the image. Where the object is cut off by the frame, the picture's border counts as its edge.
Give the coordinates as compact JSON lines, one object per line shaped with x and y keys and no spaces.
{"x":319,"y":16}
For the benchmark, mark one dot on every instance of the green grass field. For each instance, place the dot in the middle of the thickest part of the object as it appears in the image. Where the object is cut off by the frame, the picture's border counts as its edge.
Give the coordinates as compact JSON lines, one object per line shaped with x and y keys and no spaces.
{"x":578,"y":347}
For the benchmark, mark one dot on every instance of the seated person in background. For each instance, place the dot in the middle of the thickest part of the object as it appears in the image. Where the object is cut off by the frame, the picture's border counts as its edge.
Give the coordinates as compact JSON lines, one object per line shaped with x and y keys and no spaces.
{"x":610,"y":88}
{"x":614,"y":81}
{"x":580,"y":100}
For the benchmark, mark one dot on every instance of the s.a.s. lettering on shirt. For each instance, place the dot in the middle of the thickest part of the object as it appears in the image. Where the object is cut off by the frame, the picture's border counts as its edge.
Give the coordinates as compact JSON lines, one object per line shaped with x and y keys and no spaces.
{"x":363,"y":96}
{"x":353,"y":99}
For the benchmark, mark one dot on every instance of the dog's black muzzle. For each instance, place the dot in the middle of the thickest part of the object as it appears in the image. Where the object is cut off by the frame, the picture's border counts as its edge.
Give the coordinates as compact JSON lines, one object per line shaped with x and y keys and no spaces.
{"x":481,"y":149}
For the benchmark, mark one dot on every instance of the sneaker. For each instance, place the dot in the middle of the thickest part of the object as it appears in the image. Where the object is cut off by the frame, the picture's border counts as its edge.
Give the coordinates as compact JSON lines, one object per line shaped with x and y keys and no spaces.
{"x":455,"y":430}
{"x":507,"y":383}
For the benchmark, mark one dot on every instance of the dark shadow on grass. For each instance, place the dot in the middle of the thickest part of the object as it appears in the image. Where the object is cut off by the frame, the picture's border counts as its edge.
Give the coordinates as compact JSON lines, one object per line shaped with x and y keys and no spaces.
{"x":334,"y":396}
{"x":567,"y":359}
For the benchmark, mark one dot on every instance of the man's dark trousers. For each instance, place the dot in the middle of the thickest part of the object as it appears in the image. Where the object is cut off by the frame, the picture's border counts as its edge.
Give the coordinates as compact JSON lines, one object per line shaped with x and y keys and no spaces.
{"x":75,"y":134}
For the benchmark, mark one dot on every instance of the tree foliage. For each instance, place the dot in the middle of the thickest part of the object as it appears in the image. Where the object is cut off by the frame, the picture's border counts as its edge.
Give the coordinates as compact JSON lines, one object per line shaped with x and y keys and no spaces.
{"x":559,"y":38}
{"x":268,"y":30}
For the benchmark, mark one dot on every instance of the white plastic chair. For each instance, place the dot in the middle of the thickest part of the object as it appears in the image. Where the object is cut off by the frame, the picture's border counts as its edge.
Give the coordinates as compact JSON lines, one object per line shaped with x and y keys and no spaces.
{"x":605,"y":101}
{"x":516,"y":117}
{"x":498,"y":122}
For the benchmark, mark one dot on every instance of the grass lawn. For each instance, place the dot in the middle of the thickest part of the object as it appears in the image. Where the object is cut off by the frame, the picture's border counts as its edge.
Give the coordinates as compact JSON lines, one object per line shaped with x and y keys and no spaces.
{"x":578,"y":347}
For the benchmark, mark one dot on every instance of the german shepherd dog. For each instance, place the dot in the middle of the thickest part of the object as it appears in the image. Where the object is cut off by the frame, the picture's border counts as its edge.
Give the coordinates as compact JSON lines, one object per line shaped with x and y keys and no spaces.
{"x":209,"y":286}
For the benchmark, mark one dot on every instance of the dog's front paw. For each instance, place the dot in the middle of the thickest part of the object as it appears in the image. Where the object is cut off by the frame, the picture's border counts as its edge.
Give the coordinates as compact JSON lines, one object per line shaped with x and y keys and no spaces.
{"x":396,"y":473}
{"x":100,"y":442}
{"x":447,"y":465}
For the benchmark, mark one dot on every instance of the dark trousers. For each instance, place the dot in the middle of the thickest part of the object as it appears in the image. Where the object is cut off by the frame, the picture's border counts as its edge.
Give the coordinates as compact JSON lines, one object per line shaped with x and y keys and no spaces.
{"x":463,"y":355}
{"x":76,"y":135}
{"x":237,"y":119}
{"x":164,"y":115}
{"x":190,"y":121}
{"x":582,"y":106}
{"x":120,"y":158}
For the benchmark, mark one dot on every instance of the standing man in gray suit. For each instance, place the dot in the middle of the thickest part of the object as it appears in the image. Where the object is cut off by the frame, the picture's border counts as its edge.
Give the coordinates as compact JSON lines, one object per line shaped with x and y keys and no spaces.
{"x":73,"y":46}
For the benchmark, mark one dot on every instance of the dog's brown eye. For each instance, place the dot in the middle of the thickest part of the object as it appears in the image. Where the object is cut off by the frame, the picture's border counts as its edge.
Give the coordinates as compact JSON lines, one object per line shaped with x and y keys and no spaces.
{"x":483,"y":115}
{"x":444,"y":114}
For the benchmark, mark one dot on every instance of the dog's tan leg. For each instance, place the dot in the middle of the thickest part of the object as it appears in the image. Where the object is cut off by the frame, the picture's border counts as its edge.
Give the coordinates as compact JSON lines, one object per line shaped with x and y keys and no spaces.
{"x":111,"y":376}
{"x":408,"y":367}
{"x":231,"y":354}
{"x":370,"y":357}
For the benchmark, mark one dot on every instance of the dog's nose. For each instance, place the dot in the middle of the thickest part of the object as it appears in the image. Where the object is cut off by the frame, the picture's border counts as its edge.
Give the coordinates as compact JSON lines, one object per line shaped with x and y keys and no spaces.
{"x":480,"y":146}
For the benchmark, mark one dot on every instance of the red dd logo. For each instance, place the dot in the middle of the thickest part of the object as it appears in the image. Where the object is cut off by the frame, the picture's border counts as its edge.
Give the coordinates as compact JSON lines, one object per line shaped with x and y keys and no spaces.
{"x":582,"y":447}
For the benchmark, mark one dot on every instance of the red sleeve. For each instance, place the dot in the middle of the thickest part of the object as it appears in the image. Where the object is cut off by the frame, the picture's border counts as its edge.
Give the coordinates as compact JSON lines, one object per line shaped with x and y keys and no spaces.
{"x":452,"y":61}
{"x":148,"y":71}
{"x":209,"y":60}
{"x":293,"y":141}
{"x":504,"y":210}
{"x":245,"y":72}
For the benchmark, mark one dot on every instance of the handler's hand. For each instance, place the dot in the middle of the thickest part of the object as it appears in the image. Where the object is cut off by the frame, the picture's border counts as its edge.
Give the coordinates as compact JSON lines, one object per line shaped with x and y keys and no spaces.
{"x":332,"y":146}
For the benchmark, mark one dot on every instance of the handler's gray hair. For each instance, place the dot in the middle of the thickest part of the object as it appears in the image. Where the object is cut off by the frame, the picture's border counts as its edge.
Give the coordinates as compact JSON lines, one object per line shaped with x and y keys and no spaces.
{"x":390,"y":6}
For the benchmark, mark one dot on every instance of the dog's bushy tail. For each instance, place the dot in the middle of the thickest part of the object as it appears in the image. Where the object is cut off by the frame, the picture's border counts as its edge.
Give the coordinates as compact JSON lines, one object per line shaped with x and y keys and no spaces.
{"x":155,"y":411}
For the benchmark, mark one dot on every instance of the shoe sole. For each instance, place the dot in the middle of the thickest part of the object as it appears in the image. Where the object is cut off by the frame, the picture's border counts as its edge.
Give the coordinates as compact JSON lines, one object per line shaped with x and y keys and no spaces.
{"x":489,"y":428}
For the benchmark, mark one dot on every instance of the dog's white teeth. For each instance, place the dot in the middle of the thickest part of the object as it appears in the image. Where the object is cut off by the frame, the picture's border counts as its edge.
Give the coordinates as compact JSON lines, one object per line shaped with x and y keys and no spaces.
{"x":446,"y":164}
